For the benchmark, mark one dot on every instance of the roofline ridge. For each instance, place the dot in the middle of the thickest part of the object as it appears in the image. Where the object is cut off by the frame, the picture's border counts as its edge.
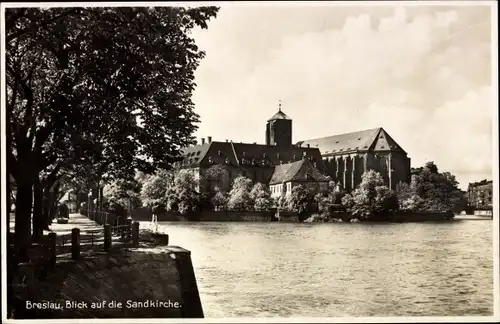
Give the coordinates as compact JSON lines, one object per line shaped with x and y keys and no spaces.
{"x":360,"y":131}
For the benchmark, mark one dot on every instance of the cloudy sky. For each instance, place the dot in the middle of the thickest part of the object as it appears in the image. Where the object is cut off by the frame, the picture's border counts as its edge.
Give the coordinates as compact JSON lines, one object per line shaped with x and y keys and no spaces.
{"x":421,"y":73}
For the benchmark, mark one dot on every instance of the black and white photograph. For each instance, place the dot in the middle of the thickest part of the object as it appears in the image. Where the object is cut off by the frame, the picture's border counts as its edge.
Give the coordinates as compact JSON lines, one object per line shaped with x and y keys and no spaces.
{"x":245,"y":161}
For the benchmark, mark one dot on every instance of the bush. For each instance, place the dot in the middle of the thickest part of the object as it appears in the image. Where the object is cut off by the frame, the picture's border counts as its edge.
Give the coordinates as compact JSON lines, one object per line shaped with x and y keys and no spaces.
{"x":317,"y":218}
{"x":117,"y":209}
{"x":158,"y":208}
{"x":63,"y":211}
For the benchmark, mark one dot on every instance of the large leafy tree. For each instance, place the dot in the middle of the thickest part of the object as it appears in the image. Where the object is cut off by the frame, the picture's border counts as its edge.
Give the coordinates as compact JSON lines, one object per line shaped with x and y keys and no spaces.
{"x":371,"y":198}
{"x":437,"y":191}
{"x":219,"y":199}
{"x":301,"y":200}
{"x":184,"y":194}
{"x":239,"y":196}
{"x":105,"y":87}
{"x":125,"y":193}
{"x":261,"y":197}
{"x":216,"y":176}
{"x":155,"y":187}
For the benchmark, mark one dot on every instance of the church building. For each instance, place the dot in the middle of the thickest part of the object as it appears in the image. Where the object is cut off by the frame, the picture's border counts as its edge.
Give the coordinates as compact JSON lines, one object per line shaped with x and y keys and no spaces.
{"x":342,"y":158}
{"x":348,"y":156}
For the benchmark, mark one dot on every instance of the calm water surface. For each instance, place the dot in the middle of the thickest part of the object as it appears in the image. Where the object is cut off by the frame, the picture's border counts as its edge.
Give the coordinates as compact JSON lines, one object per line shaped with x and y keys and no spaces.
{"x":329,"y":270}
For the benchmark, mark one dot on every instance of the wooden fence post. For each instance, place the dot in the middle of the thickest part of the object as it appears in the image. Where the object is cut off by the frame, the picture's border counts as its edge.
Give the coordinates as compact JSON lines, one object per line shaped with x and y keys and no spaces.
{"x":26,"y":273}
{"x":128,"y":228}
{"x":135,"y":234}
{"x":107,"y":237}
{"x":52,"y":249}
{"x":75,"y":243}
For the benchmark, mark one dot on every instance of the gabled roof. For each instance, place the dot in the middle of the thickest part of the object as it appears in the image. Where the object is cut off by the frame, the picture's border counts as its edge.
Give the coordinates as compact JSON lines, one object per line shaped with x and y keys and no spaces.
{"x":375,"y":139}
{"x":193,"y":155}
{"x":301,"y":170}
{"x":245,"y":154}
{"x":279,"y":115}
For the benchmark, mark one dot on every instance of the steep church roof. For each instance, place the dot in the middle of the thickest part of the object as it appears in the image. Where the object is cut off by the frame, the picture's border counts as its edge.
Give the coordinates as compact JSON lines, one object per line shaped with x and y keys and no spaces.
{"x":301,"y":170}
{"x":375,"y":139}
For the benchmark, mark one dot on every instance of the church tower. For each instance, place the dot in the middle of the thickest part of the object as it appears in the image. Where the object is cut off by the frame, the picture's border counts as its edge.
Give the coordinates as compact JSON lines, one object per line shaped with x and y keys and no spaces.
{"x":279,"y":130}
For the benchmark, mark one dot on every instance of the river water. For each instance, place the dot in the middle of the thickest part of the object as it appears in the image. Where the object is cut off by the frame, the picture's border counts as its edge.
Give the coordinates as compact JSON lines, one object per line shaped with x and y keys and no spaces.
{"x":340,"y":269}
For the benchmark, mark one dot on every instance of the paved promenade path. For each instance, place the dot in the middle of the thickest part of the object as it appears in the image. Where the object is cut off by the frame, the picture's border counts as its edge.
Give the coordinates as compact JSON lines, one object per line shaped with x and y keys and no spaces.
{"x":91,"y":234}
{"x":75,"y":221}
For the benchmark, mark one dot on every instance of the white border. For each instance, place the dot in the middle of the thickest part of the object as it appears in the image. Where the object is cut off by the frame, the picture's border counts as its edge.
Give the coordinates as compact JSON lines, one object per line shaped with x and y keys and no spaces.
{"x":495,"y":132}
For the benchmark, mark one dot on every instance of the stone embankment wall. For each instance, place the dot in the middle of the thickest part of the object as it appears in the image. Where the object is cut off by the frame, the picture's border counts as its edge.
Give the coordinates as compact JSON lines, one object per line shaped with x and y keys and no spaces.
{"x":143,"y":214}
{"x":422,"y":216}
{"x":142,"y":283}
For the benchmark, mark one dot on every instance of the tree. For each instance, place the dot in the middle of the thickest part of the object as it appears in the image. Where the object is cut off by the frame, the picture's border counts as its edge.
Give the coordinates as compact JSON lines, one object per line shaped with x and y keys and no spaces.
{"x":261,"y":196}
{"x":155,"y":187}
{"x":124,"y":193}
{"x":438,"y":192}
{"x":219,"y":199}
{"x":300,"y":200}
{"x":371,"y":198}
{"x":329,"y":200}
{"x":281,"y":203}
{"x":216,"y":176}
{"x":239,"y":196}
{"x":184,"y":194}
{"x":82,"y":83}
{"x":407,"y":197}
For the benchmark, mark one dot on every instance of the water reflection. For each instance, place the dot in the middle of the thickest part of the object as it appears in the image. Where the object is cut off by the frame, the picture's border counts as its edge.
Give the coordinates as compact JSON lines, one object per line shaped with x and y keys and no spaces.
{"x":278,"y":269}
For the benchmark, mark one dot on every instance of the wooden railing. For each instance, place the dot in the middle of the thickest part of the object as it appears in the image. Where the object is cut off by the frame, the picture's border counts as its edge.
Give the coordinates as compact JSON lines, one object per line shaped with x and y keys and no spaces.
{"x":123,"y":234}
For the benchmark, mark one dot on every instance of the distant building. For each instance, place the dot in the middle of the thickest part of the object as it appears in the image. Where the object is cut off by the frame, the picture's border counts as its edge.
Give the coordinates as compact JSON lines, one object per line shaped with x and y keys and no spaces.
{"x":343,"y":158}
{"x":254,"y":161}
{"x":289,"y":175}
{"x":480,"y":195}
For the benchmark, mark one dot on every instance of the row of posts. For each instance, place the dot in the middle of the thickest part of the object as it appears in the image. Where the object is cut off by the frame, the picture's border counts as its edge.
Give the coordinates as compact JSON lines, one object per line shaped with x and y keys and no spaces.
{"x":50,"y":254}
{"x":75,"y":238}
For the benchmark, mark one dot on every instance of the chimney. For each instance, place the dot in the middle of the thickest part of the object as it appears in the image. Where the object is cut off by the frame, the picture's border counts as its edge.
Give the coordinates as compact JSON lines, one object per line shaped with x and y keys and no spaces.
{"x":308,"y":145}
{"x":202,"y":140}
{"x":209,"y":138}
{"x":227,"y":141}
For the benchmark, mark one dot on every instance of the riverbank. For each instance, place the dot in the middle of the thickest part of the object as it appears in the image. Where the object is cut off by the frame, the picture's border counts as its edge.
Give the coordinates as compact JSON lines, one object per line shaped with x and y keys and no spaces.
{"x":152,"y":280}
{"x":474,"y":217}
{"x":143,"y":214}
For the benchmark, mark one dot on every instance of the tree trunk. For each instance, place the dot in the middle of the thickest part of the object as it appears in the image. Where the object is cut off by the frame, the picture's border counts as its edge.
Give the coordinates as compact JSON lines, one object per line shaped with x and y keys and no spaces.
{"x":38,"y":221}
{"x":46,"y":208}
{"x":22,"y":237}
{"x":101,"y":195}
{"x":53,"y":201}
{"x":9,"y":203}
